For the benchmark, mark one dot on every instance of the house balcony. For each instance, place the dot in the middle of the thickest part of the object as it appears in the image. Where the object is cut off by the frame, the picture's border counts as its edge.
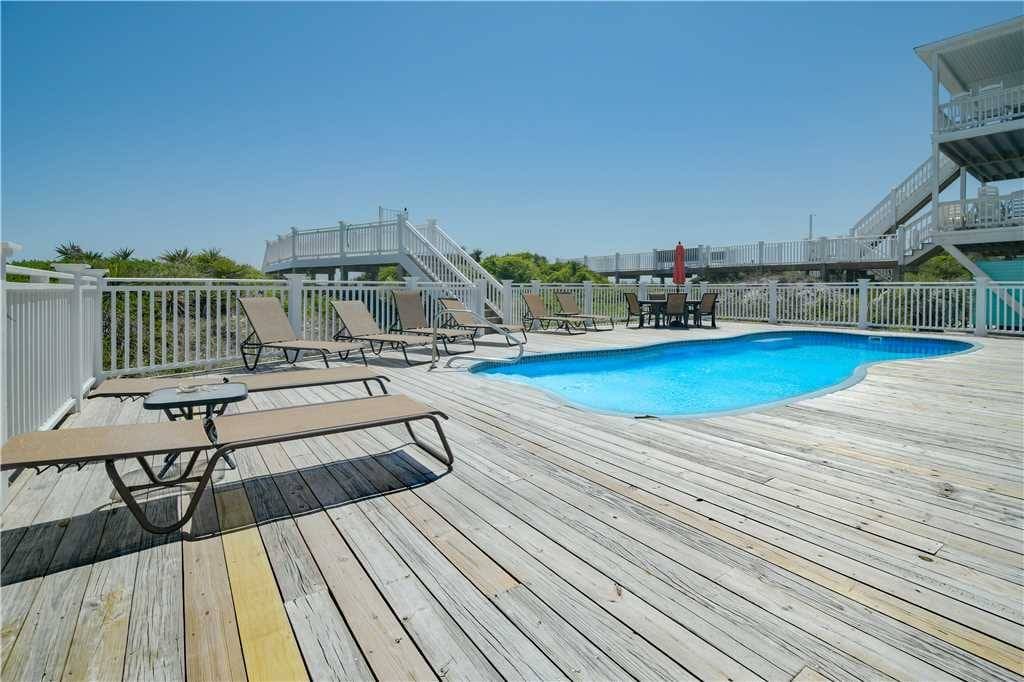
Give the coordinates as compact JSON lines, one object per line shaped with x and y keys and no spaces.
{"x":989,"y":106}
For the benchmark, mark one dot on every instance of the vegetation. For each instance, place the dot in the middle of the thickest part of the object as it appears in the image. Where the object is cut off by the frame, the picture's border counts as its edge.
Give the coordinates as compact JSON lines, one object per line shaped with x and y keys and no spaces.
{"x":941,"y":267}
{"x":525,"y":266}
{"x":174,"y":263}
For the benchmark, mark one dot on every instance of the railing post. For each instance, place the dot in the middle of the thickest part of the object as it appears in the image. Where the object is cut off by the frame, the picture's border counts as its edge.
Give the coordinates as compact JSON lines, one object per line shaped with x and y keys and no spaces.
{"x":7,"y":249}
{"x":295,"y":313}
{"x":862,"y":303}
{"x":760,"y":253}
{"x":773,"y":302}
{"x":507,"y":300}
{"x":341,"y":241}
{"x":77,"y":337}
{"x":588,"y":297}
{"x":97,"y":342}
{"x":981,"y":306}
{"x":654,"y":259}
{"x":618,"y":257}
{"x":295,"y":242}
{"x":480,"y":286}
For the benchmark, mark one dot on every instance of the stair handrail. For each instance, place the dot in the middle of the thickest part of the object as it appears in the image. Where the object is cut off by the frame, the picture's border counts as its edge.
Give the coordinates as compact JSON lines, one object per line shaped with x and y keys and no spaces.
{"x":408,"y":228}
{"x":493,"y":292}
{"x":900,"y":198}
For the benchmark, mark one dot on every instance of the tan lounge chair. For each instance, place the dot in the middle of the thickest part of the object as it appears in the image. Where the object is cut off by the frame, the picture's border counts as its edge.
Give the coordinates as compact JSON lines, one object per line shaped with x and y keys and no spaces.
{"x":358,"y":324}
{"x":537,"y":312}
{"x":570,"y":308}
{"x":110,"y":444}
{"x":130,"y":388}
{"x":271,"y":329}
{"x":411,"y":320}
{"x":460,"y":317}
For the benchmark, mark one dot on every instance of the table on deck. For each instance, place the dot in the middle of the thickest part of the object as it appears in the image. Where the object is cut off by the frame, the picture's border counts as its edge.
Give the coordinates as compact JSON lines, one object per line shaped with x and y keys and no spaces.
{"x":657,"y":305}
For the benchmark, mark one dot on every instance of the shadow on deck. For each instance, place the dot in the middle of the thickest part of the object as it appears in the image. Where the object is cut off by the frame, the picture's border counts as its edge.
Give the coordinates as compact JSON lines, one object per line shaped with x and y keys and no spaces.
{"x":108,"y":532}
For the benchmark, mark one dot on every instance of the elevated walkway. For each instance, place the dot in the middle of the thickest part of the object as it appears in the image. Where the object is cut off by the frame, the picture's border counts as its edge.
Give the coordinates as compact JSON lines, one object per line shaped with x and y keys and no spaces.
{"x":425,"y":251}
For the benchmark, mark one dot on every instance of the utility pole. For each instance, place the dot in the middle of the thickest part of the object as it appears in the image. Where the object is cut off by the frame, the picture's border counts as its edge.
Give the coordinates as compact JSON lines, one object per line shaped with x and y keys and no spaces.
{"x":810,"y":226}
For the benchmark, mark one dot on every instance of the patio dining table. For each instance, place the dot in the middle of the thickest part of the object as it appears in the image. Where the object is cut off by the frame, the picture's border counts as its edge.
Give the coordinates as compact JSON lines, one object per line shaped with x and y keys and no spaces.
{"x":657,"y":308}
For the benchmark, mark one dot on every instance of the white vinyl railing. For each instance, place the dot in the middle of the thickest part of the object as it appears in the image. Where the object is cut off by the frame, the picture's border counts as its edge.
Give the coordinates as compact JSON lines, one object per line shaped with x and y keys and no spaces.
{"x":984,"y":108}
{"x":463,"y":262}
{"x":64,"y":331}
{"x":51,"y":327}
{"x":797,"y":252}
{"x":903,"y":198}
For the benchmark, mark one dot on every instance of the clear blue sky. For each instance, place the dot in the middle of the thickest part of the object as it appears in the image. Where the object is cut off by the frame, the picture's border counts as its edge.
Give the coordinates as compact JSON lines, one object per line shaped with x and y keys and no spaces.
{"x":564,"y":129}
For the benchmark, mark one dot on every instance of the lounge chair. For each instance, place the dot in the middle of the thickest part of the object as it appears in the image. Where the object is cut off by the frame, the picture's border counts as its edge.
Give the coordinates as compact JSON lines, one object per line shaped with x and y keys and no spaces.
{"x":131,"y":388}
{"x":570,"y":308}
{"x":358,"y":324}
{"x":675,"y":307}
{"x":411,"y":320}
{"x":62,"y":448}
{"x":460,"y":317}
{"x":537,"y":312}
{"x":633,"y":309}
{"x":271,"y":329}
{"x":708,"y":303}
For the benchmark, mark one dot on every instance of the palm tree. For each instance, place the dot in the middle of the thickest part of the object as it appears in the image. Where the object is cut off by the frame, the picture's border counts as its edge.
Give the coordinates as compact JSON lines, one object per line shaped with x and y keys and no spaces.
{"x":69,"y":250}
{"x":176,"y":256}
{"x":210,"y":254}
{"x":122,"y":254}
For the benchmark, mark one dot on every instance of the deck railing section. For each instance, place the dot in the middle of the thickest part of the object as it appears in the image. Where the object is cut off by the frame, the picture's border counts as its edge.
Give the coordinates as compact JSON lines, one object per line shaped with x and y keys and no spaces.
{"x":990,"y":106}
{"x":50,"y":333}
{"x":793,"y":252}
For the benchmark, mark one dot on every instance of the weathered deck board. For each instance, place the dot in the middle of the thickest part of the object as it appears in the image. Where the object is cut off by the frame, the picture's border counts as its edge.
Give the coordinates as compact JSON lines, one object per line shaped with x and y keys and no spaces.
{"x":871,"y":533}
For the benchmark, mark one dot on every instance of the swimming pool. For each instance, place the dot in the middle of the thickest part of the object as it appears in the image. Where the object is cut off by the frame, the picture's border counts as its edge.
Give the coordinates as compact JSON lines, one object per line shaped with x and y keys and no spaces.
{"x":689,"y":378}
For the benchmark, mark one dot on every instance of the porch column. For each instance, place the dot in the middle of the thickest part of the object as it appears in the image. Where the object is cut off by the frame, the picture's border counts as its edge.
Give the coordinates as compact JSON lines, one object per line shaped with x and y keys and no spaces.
{"x":77,"y":330}
{"x":936,"y":64}
{"x":295,"y":317}
{"x":963,"y":195}
{"x":507,"y":300}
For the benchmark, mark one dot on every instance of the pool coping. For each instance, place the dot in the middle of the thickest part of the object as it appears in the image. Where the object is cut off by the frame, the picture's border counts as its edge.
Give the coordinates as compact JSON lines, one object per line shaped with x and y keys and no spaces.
{"x":858,"y":374}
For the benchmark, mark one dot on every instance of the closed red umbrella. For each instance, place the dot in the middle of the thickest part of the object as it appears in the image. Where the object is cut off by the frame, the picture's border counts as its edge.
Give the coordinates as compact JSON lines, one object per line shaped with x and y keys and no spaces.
{"x":679,"y":271}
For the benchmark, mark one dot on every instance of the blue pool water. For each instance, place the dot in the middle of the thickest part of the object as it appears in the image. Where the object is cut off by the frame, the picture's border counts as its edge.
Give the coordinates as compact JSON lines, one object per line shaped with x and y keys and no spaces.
{"x":697,"y":377}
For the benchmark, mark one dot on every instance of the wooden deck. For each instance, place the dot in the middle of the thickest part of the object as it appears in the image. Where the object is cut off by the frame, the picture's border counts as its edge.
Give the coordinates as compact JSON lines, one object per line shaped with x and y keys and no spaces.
{"x":871,"y":533}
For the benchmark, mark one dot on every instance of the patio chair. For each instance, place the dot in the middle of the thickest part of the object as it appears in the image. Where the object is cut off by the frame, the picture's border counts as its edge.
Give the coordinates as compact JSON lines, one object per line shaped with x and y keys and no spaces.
{"x":271,"y":329}
{"x":537,"y":312}
{"x":633,"y":309}
{"x":132,"y":388}
{"x":236,"y":433}
{"x":411,"y":320}
{"x":707,"y":306}
{"x":460,"y":317}
{"x":675,"y":308}
{"x":570,"y":308}
{"x":358,"y":324}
